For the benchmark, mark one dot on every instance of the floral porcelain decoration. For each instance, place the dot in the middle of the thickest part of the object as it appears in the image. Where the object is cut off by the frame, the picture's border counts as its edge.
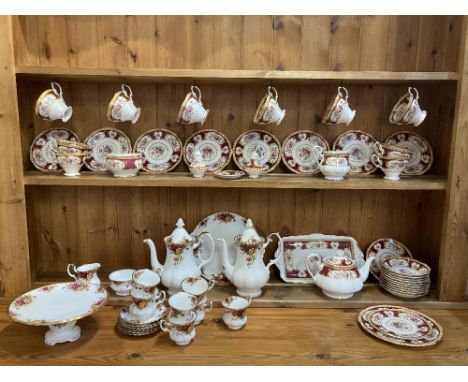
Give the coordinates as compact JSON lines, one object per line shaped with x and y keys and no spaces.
{"x":383,"y":249}
{"x":214,"y":146}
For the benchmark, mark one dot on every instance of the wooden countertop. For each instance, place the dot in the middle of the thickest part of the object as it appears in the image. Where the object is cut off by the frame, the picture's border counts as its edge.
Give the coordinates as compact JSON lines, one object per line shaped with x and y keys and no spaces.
{"x":273,"y":336}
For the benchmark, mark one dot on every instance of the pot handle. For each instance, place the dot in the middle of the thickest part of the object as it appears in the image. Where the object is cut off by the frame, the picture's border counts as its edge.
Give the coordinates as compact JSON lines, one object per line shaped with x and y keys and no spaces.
{"x":196,"y":92}
{"x":315,"y":258}
{"x":72,"y":275}
{"x":280,"y":243}
{"x":376,"y":161}
{"x":57,"y":89}
{"x":203,"y":262}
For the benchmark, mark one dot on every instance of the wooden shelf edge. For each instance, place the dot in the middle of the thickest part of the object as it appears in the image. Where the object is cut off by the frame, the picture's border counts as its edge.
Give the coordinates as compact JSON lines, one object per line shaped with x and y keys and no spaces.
{"x":223,"y":75}
{"x":279,"y":294}
{"x":267,"y":181}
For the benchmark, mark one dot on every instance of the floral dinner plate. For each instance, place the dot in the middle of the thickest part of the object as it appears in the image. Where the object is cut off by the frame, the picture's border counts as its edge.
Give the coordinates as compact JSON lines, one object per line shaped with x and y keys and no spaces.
{"x":297,"y":151}
{"x":383,"y":249}
{"x":102,"y":142}
{"x":161,"y":150}
{"x":361,"y":146}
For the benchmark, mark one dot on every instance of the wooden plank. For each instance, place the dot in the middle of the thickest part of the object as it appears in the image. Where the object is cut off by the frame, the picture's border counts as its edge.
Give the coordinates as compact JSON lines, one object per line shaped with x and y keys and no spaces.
{"x":287,"y":49}
{"x":374,"y":42}
{"x":315,"y":41}
{"x":345,"y":42}
{"x":266,"y":181}
{"x":53,"y":40}
{"x":112,"y":42}
{"x":453,"y":262}
{"x":142,"y":41}
{"x":14,"y":256}
{"x":257,"y":42}
{"x":402,"y":44}
{"x":224,"y":75}
{"x":26,"y":40}
{"x":82,"y":41}
{"x":175,"y":39}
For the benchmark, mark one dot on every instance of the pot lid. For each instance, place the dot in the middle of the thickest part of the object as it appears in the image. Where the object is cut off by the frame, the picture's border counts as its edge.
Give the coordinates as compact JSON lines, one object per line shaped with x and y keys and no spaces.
{"x":340,"y":261}
{"x":250,"y":234}
{"x":180,"y":234}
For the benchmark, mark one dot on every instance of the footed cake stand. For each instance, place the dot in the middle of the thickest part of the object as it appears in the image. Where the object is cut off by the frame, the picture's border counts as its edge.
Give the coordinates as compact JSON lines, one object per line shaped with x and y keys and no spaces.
{"x":58,"y":306}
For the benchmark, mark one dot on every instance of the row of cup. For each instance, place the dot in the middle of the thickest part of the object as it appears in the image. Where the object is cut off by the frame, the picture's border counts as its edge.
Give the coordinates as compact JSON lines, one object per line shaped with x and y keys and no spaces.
{"x":51,"y":106}
{"x":392,"y":160}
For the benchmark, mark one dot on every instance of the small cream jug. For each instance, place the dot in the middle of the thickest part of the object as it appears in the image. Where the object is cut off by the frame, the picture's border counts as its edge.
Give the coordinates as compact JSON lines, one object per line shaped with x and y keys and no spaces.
{"x":180,"y":259}
{"x":249,"y":273}
{"x":85,"y":273}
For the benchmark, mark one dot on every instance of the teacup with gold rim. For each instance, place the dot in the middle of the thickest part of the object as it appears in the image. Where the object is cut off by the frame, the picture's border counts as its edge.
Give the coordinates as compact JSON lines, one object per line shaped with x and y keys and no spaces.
{"x":268,"y":110}
{"x":122,"y":108}
{"x":192,"y":109}
{"x":71,"y":163}
{"x":234,"y":311}
{"x":391,"y":166}
{"x":181,"y":333}
{"x":51,"y":106}
{"x":407,"y":110}
{"x":338,"y":110}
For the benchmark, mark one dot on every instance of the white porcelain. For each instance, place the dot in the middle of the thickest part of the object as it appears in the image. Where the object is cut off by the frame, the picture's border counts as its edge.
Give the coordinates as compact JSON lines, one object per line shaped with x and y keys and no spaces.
{"x":197,"y":286}
{"x":58,"y":306}
{"x":70,"y":163}
{"x":391,"y":167}
{"x":214,"y":147}
{"x":254,"y":168}
{"x":180,"y":259}
{"x":143,"y":305}
{"x":295,"y":250}
{"x":192,"y":109}
{"x":248,"y":272}
{"x":269,"y":110}
{"x":201,"y":310}
{"x":221,"y":225}
{"x":339,"y":276}
{"x":407,"y":110}
{"x":158,"y":313}
{"x":334,"y":165}
{"x":234,"y":315}
{"x":182,"y":306}
{"x":121,"y":281}
{"x":338,"y":110}
{"x":229,"y":174}
{"x":122,"y":108}
{"x":181,"y":334}
{"x":148,"y":281}
{"x":125,"y":165}
{"x":51,"y":106}
{"x":85,"y":273}
{"x":198,"y":166}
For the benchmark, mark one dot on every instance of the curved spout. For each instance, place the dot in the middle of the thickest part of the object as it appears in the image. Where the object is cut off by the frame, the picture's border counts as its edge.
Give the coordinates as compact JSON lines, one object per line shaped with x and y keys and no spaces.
{"x":228,"y":267}
{"x":364,"y":270}
{"x":155,"y":265}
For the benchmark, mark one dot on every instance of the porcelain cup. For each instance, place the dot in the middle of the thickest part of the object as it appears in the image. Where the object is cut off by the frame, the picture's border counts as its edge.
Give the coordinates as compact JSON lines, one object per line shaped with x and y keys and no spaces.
{"x":386,"y":150}
{"x":182,"y":306}
{"x":71,"y":163}
{"x":203,"y":307}
{"x":181,"y":333}
{"x":197,"y":286}
{"x":198,"y":167}
{"x":85,"y":273}
{"x":121,"y":107}
{"x":143,"y":304}
{"x":269,"y":110}
{"x":334,"y":165}
{"x":124,"y":165}
{"x":407,"y":110}
{"x":147,"y":280}
{"x":391,"y":166}
{"x":121,"y":281}
{"x":51,"y":106}
{"x":192,"y":109}
{"x":70,"y":147}
{"x":338,"y":110}
{"x":234,"y":311}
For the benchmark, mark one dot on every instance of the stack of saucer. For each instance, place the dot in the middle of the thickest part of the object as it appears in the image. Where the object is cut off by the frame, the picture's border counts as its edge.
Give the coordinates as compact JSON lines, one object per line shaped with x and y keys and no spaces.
{"x":405,"y":277}
{"x":128,"y":325}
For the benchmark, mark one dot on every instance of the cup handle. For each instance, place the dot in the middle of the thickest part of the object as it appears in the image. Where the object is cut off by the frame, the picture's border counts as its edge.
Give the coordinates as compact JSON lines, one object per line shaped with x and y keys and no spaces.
{"x":208,"y":306}
{"x":196,"y":92}
{"x":319,"y":157}
{"x":127,"y":91}
{"x":163,"y":294}
{"x":211,"y":283}
{"x":57,"y":89}
{"x":72,"y":275}
{"x":343,"y":92}
{"x":249,"y":300}
{"x":378,"y":148}
{"x":416,"y":93}
{"x":165,"y":326}
{"x":273,"y":92}
{"x":376,"y":161}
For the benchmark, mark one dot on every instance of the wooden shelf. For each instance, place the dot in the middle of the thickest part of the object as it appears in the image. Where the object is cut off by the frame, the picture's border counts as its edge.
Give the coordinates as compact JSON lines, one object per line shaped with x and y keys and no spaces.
{"x":278,"y":181}
{"x":223,"y":75}
{"x":280,"y":294}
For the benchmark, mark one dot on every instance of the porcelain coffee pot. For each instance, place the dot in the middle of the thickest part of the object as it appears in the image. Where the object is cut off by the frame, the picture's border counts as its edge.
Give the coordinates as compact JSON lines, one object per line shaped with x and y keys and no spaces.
{"x":180,"y":258}
{"x":338,"y":276}
{"x":249,"y":273}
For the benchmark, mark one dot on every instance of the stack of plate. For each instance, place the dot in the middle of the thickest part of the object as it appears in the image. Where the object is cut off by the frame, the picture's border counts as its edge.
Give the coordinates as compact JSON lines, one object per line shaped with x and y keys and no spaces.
{"x":126,"y":324}
{"x":405,"y":277}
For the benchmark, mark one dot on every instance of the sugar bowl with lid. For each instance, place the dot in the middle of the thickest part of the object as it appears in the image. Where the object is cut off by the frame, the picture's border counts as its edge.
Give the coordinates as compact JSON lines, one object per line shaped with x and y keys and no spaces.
{"x":333,"y":164}
{"x":338,"y":276}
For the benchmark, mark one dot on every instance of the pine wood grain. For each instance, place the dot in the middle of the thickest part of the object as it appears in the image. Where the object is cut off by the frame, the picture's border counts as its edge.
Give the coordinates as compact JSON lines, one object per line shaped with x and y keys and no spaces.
{"x":272,"y":336}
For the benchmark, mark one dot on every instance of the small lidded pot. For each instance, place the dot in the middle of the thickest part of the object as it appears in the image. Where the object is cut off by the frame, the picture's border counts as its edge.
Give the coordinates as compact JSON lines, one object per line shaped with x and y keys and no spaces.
{"x":121,"y":281}
{"x":124,"y":165}
{"x":198,"y":167}
{"x":234,"y":311}
{"x":71,"y":163}
{"x":253,"y":168}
